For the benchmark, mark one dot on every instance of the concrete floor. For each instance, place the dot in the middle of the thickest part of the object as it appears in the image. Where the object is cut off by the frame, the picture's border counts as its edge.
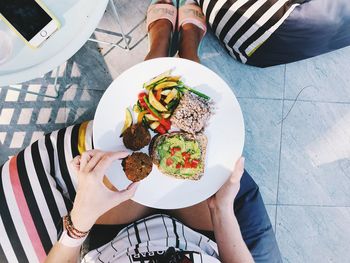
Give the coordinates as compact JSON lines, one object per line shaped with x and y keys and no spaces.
{"x":297,"y":151}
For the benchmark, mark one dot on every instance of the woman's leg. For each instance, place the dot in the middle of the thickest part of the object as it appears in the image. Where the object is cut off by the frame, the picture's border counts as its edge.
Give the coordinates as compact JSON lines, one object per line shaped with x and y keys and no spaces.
{"x":37,"y":188}
{"x":192,"y":28}
{"x":313,"y":28}
{"x":160,"y":30}
{"x":251,"y":215}
{"x":159,"y":33}
{"x":159,"y":38}
{"x":190,"y":38}
{"x":196,"y":216}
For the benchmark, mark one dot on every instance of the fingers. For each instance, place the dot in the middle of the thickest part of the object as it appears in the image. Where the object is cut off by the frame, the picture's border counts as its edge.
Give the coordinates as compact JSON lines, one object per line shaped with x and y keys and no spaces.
{"x":238,"y":171}
{"x":95,"y":158}
{"x":100,"y":160}
{"x":86,"y":157}
{"x":107,"y":160}
{"x":75,"y":163}
{"x":128,"y":193}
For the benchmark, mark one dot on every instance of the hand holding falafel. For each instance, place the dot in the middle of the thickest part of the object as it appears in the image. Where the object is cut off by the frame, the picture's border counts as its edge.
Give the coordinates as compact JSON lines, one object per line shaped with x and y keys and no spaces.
{"x":93,"y":198}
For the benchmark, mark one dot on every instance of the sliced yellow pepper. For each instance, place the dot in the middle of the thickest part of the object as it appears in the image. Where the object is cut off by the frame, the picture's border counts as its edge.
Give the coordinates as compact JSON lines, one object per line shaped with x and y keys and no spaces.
{"x":171,"y":96}
{"x":165,"y":84}
{"x":141,"y":115}
{"x":174,"y":78}
{"x":128,"y":120}
{"x":158,"y":78}
{"x":155,"y":103}
{"x":136,"y":108}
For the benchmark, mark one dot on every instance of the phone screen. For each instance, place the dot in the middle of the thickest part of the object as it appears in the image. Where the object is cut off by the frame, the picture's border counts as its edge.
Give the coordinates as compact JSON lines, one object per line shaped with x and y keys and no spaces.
{"x":26,"y":16}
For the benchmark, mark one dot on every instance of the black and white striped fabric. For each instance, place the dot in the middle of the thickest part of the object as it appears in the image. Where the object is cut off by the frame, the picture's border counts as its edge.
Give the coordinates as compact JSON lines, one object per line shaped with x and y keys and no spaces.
{"x":244,"y":25}
{"x":149,"y":239}
{"x":37,"y":188}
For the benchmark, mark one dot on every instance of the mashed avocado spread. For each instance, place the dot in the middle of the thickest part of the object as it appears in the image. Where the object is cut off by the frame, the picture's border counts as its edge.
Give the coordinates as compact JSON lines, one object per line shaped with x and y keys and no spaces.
{"x":180,"y":156}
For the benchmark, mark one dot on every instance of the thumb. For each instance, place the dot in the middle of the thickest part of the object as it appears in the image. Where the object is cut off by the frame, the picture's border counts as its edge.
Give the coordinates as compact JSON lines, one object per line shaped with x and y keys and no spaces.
{"x":238,"y":171}
{"x":128,"y":193}
{"x":211,"y":201}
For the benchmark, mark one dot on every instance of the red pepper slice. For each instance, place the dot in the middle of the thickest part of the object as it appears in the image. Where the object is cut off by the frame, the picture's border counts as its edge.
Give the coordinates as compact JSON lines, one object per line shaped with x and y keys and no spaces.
{"x":160,"y":129}
{"x":143,"y":104}
{"x":186,"y":155}
{"x":194,"y":163}
{"x":142,"y":95}
{"x":159,"y":94}
{"x":166,"y":123}
{"x":178,"y":166}
{"x":174,"y":150}
{"x":169,"y":161}
{"x":187,"y":165}
{"x":141,"y":100}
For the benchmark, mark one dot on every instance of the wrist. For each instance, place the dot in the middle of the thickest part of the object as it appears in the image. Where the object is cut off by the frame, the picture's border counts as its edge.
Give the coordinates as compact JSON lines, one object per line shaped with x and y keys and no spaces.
{"x":71,"y":237}
{"x":222,"y":211}
{"x":222,"y":207}
{"x":80,"y":221}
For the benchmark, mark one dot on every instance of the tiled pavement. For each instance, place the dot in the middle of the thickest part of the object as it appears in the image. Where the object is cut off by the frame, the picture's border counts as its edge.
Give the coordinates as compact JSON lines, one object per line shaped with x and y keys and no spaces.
{"x":297,"y":151}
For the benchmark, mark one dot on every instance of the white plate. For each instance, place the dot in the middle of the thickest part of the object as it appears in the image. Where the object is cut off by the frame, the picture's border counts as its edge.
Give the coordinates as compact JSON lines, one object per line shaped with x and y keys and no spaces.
{"x":225,"y":133}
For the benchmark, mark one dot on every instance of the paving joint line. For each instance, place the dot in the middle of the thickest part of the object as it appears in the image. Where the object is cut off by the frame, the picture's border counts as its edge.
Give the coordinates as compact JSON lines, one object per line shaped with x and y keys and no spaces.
{"x":315,"y":205}
{"x":280,"y":148}
{"x":319,"y":101}
{"x":258,"y":98}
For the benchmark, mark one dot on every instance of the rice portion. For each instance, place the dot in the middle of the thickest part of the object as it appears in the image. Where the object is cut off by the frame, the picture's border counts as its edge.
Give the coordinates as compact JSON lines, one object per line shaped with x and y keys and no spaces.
{"x":192,"y":113}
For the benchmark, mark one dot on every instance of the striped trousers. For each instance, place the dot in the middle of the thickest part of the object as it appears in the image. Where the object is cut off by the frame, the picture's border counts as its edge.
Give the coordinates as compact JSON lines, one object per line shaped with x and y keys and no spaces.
{"x":271,"y":32}
{"x":37,"y":188}
{"x":244,"y":25}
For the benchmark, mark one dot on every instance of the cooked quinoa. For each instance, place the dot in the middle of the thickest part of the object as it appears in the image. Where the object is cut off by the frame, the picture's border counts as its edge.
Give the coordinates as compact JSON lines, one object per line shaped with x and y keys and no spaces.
{"x":192,"y":113}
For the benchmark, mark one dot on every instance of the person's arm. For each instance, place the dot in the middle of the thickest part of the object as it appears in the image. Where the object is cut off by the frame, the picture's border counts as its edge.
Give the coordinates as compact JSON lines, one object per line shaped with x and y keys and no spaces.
{"x":92,"y":199}
{"x":228,"y":235}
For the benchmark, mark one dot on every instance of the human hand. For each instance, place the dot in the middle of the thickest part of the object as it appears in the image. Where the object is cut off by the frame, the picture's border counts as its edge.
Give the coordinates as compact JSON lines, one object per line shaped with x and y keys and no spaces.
{"x":224,"y":198}
{"x":93,"y":198}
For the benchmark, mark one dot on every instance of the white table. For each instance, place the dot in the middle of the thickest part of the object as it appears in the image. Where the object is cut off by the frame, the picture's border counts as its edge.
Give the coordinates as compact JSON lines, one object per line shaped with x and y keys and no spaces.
{"x":79,"y":19}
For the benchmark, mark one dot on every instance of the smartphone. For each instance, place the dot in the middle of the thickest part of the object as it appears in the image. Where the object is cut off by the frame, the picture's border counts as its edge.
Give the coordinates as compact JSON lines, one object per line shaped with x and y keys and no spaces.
{"x":30,"y":19}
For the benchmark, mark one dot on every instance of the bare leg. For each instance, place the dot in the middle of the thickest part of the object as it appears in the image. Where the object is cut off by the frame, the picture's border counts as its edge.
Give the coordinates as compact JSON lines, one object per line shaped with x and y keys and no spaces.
{"x":159,"y":37}
{"x":197,"y":216}
{"x":190,"y":39}
{"x":125,"y":213}
{"x":130,"y":211}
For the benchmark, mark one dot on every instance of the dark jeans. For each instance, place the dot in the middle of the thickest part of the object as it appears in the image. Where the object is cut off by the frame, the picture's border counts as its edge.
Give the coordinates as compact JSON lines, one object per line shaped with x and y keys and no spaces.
{"x":313,"y":28}
{"x":252,"y":217}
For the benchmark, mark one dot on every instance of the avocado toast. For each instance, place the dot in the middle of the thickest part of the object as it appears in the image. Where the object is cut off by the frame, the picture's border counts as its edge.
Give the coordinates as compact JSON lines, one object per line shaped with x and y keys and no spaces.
{"x":179,"y":154}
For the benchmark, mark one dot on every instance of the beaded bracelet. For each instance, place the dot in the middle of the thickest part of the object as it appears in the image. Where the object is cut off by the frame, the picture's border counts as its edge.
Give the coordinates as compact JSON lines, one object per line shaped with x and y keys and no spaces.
{"x":71,"y":230}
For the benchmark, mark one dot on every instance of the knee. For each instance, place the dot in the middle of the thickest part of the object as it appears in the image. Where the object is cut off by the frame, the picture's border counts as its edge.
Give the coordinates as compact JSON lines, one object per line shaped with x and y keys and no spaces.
{"x":322,"y":15}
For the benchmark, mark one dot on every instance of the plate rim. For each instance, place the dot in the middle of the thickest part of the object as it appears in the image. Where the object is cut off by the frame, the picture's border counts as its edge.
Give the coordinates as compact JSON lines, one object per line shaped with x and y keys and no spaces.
{"x":154,"y":205}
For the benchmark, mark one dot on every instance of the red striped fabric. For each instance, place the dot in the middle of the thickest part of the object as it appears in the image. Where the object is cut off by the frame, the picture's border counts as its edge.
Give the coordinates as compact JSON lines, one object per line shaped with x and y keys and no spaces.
{"x":35,"y":187}
{"x":24,"y":210}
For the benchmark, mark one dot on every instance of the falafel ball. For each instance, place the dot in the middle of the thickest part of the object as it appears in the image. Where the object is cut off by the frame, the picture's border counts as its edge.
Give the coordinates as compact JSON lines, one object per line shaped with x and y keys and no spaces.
{"x":137,"y":166}
{"x":136,"y":137}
